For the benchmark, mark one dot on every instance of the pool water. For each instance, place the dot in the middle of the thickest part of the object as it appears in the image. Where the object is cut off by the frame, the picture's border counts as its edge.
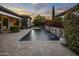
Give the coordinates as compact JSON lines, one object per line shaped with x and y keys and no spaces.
{"x":39,"y":35}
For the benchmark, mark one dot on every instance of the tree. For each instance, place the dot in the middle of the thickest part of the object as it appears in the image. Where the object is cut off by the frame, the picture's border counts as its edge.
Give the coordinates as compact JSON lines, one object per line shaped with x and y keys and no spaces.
{"x":38,"y":20}
{"x":57,"y":22}
{"x":53,"y":13}
{"x":71,"y":29}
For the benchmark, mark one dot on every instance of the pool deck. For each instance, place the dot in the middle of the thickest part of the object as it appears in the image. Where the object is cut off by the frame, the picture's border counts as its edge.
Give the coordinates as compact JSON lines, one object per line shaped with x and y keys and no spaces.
{"x":11,"y":46}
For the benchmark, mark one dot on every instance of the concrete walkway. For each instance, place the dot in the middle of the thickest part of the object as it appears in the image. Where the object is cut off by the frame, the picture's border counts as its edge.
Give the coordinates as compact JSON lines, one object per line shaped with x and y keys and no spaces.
{"x":11,"y":46}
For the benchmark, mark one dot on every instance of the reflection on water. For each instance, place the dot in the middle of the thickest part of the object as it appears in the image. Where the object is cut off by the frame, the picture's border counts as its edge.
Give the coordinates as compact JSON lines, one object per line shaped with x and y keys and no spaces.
{"x":39,"y":35}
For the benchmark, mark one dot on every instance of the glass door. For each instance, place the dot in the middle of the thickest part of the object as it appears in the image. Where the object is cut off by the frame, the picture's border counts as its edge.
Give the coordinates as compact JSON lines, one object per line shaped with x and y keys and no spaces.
{"x":5,"y":23}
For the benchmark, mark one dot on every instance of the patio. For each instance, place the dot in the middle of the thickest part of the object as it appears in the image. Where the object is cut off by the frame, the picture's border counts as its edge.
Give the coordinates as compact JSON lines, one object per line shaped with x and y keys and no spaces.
{"x":10,"y":45}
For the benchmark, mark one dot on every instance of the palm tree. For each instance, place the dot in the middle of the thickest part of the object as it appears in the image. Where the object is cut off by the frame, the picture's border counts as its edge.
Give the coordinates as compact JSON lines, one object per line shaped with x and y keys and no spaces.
{"x":53,"y":13}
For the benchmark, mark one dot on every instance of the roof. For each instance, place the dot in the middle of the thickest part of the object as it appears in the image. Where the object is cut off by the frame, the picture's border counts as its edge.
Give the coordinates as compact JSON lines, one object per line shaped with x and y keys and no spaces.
{"x":63,"y":13}
{"x":25,"y":16}
{"x":71,"y":9}
{"x":8,"y":12}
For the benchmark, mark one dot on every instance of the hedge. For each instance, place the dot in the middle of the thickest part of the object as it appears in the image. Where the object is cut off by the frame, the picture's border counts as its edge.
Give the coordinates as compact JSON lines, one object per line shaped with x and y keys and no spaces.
{"x":14,"y":29}
{"x":71,"y":28}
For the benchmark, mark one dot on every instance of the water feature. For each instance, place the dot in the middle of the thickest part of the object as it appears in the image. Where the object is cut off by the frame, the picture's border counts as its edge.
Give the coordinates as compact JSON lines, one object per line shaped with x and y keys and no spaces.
{"x":39,"y":35}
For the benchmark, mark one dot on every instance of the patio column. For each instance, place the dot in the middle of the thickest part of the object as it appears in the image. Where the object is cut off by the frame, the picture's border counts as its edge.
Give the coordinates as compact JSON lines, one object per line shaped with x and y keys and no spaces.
{"x":28,"y":22}
{"x":9,"y":24}
{"x":19,"y":22}
{"x":2,"y":23}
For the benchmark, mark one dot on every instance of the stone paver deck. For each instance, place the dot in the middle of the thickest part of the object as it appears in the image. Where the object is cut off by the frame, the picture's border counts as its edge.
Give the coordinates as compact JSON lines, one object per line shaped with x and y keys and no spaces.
{"x":11,"y":46}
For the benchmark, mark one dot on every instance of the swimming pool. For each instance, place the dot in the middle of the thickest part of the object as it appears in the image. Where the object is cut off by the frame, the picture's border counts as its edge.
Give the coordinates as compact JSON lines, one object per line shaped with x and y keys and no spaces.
{"x":39,"y":35}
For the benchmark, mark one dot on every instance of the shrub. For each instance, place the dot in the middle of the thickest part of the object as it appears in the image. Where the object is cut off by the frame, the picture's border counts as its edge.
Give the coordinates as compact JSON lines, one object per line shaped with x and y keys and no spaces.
{"x":71,"y":28}
{"x":5,"y":29}
{"x":53,"y":23}
{"x":14,"y":29}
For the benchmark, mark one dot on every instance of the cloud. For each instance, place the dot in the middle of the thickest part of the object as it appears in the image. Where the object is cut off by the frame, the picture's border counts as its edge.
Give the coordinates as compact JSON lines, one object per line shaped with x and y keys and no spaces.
{"x":20,"y":11}
{"x":39,"y":6}
{"x":57,"y":11}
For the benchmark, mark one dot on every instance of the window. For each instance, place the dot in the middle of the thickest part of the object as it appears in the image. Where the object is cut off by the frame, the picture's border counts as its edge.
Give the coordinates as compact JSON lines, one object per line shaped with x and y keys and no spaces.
{"x":0,"y":25}
{"x":0,"y":18}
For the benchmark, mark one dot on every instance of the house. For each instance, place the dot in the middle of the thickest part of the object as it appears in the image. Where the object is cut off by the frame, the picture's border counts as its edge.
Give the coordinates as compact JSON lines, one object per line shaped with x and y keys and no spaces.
{"x":63,"y":14}
{"x":8,"y":18}
{"x":26,"y":21}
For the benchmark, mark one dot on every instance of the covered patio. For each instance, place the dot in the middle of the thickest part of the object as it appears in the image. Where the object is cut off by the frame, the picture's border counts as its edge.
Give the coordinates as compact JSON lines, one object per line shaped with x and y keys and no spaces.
{"x":8,"y":19}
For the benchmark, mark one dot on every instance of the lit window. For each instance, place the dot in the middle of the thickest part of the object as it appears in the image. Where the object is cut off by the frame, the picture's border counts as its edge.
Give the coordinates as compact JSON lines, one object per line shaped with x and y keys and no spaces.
{"x":0,"y":18}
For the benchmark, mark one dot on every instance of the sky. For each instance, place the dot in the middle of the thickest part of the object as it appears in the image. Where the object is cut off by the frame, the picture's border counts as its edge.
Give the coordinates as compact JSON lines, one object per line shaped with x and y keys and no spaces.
{"x":33,"y":9}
